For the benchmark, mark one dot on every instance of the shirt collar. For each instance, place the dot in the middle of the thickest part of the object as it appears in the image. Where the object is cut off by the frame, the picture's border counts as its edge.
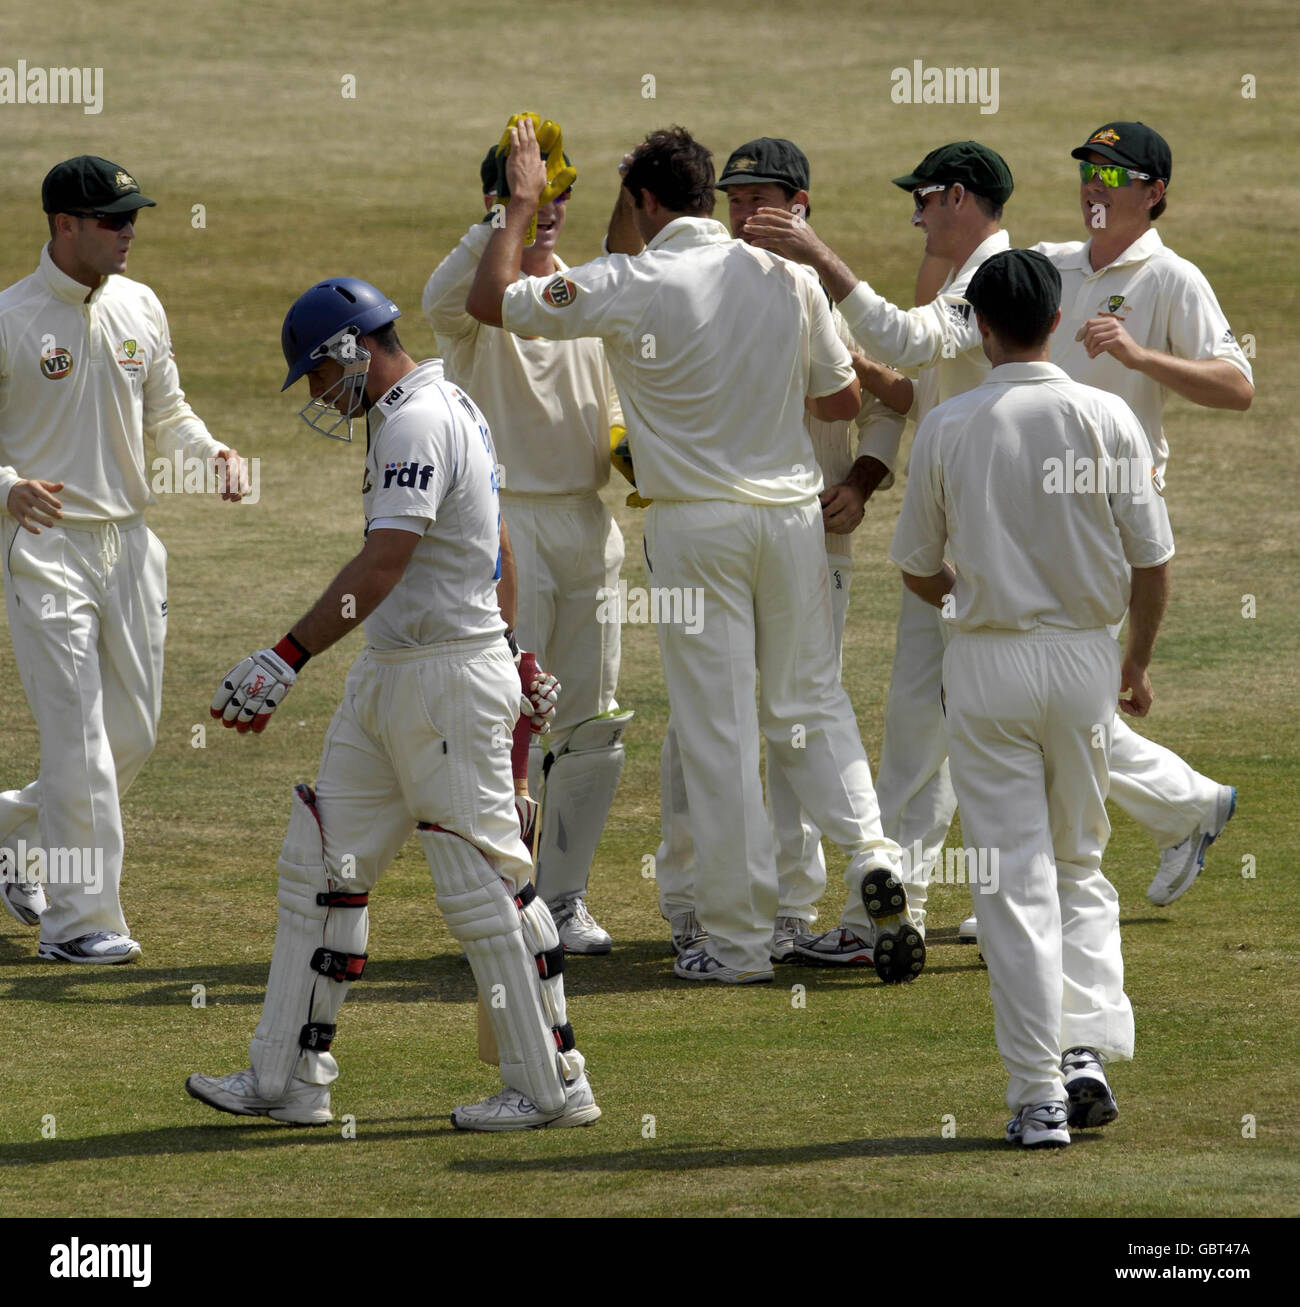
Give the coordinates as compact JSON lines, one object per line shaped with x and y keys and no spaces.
{"x":421,"y":375}
{"x":986,"y":249}
{"x":1015,"y":372}
{"x":65,"y":288}
{"x":690,"y":231}
{"x":1142,"y":249}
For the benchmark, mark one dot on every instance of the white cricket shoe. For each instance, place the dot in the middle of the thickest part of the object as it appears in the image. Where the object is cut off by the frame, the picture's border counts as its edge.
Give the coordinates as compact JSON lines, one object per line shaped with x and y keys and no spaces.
{"x":102,"y":946}
{"x":578,"y":930}
{"x":840,"y":947}
{"x":510,"y":1109}
{"x":25,"y":900}
{"x":1181,"y":863}
{"x":787,"y":930}
{"x":699,"y":964}
{"x":899,"y":950}
{"x":237,"y":1093}
{"x":685,"y":932}
{"x":1092,"y":1101}
{"x":968,"y":932}
{"x":1039,"y":1125}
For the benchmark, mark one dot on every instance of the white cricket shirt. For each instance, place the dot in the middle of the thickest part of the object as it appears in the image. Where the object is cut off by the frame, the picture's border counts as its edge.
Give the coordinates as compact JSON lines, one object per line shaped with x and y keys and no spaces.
{"x":1035,"y":543}
{"x":550,"y":404}
{"x":713,"y":345}
{"x":1164,"y":302}
{"x":429,"y":454}
{"x":84,"y":377}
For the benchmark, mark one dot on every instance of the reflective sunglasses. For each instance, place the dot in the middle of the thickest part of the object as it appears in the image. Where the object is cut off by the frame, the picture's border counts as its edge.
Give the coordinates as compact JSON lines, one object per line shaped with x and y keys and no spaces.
{"x":918,"y":195}
{"x":1111,"y":174}
{"x":111,"y":221}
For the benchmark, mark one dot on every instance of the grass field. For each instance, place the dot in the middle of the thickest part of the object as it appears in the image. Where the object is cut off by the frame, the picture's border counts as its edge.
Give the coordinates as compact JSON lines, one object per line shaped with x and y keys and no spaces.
{"x":745,"y":1102}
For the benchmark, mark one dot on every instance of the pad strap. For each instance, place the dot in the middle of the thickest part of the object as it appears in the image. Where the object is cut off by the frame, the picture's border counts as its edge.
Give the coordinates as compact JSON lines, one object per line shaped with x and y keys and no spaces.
{"x":316,"y":1036}
{"x":526,"y":895}
{"x":341,"y":899}
{"x":564,"y":1038}
{"x":339,"y":966}
{"x":551,"y":962}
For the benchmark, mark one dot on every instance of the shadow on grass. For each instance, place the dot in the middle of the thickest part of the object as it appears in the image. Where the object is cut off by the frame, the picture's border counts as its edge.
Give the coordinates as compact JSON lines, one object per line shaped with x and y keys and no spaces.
{"x":215,"y":1136}
{"x":652,"y":1158}
{"x":234,"y":1135}
{"x":638,"y":966}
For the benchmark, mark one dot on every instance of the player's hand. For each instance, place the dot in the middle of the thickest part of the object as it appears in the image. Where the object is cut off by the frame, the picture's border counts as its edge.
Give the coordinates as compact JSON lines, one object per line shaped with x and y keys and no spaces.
{"x":525,"y":171}
{"x":1107,"y":335}
{"x":252,"y":690}
{"x":34,"y":501}
{"x":539,"y":693}
{"x":786,"y":233}
{"x":232,"y":475}
{"x":1134,"y":679}
{"x":843,"y":507}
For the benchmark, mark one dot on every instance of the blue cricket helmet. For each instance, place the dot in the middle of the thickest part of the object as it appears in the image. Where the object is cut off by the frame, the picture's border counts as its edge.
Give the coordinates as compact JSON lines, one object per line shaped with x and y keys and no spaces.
{"x":320,"y":314}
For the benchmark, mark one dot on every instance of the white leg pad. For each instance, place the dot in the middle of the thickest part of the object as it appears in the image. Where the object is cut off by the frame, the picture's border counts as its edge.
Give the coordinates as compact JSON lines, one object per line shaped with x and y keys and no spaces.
{"x":483,"y":917}
{"x":543,"y":942}
{"x":577,"y":792}
{"x":320,"y":947}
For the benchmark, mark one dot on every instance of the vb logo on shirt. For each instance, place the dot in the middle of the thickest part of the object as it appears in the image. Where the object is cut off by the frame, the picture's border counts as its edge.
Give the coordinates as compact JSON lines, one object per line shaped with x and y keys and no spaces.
{"x":560,"y":293}
{"x":407,"y":474}
{"x":56,"y":364}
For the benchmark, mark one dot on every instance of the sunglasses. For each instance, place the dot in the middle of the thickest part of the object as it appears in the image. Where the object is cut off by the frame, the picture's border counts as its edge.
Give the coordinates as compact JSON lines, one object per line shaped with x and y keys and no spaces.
{"x":918,"y":195}
{"x":111,"y":221}
{"x":1111,"y":174}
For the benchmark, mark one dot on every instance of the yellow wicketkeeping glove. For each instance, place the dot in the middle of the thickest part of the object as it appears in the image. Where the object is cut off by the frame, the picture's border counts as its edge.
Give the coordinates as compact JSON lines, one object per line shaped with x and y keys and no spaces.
{"x":560,"y":174}
{"x":620,"y":456}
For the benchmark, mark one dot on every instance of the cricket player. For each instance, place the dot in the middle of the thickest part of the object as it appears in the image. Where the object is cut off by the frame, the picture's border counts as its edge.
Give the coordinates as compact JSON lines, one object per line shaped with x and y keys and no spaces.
{"x":86,"y":375}
{"x":421,"y":741}
{"x":775,"y":172}
{"x":551,"y":406}
{"x":714,"y":346}
{"x":1038,"y":574}
{"x":958,"y":192}
{"x":1140,"y":321}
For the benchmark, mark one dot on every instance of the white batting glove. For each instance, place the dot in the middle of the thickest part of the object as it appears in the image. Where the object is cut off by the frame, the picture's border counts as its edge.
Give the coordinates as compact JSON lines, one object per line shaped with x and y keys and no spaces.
{"x":539,"y":693}
{"x":252,"y":690}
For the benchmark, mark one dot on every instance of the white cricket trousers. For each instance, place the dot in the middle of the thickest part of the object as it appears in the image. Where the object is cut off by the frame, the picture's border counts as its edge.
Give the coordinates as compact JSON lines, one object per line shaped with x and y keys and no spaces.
{"x":568,"y":548}
{"x":1152,"y":784}
{"x":764,"y":603}
{"x":422,"y":734}
{"x":88,"y":616}
{"x":1029,"y":718}
{"x":800,"y":863}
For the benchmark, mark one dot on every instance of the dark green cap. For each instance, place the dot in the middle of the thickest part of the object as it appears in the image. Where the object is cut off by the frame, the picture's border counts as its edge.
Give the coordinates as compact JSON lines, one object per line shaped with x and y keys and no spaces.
{"x":492,"y":173}
{"x":768,"y":159}
{"x":89,"y":184}
{"x":1016,"y":283}
{"x":975,"y":166}
{"x":1131,"y":145}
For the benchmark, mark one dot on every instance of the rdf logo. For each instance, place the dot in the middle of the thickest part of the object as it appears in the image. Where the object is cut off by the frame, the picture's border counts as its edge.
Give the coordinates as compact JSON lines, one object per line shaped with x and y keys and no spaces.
{"x":102,"y":1261}
{"x":407,"y":474}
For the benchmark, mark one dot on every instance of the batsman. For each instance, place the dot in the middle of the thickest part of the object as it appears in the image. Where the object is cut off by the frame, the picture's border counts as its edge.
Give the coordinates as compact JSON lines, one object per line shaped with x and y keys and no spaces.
{"x":420,"y":744}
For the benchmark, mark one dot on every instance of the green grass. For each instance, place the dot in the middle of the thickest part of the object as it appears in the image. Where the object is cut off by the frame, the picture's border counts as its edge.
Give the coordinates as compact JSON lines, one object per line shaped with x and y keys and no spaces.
{"x":759,"y":1105}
